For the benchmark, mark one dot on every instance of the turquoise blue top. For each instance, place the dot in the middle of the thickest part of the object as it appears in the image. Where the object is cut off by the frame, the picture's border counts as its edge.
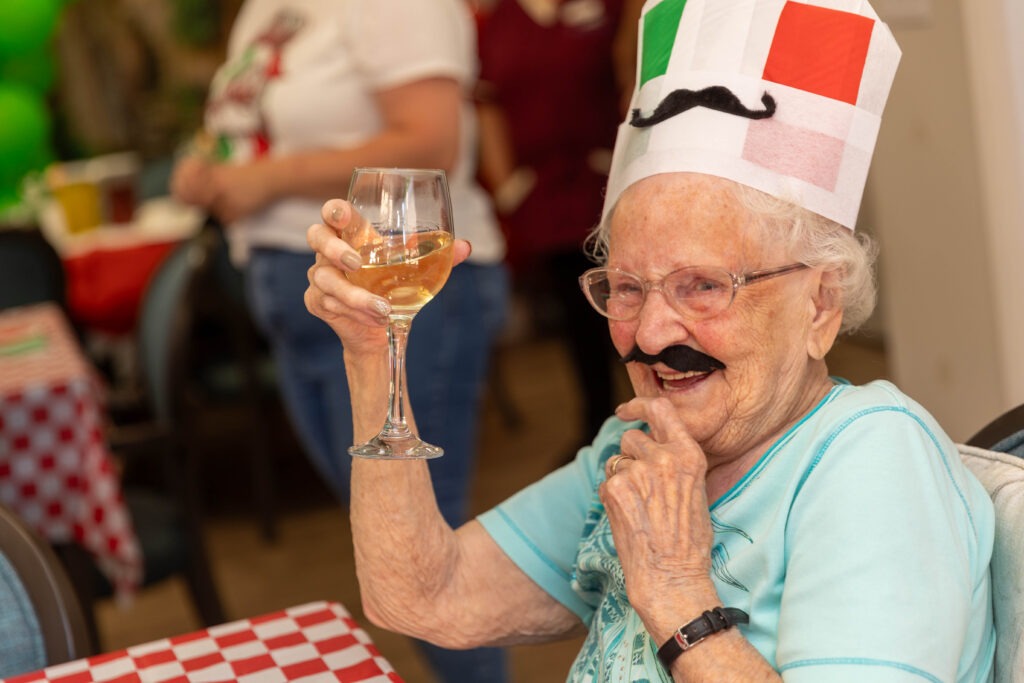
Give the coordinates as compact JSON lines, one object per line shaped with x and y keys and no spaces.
{"x":21,"y":638}
{"x":858,"y":544}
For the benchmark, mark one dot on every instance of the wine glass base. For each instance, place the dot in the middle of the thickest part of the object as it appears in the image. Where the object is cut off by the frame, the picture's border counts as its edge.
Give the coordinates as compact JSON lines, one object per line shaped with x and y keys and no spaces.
{"x":402,"y":448}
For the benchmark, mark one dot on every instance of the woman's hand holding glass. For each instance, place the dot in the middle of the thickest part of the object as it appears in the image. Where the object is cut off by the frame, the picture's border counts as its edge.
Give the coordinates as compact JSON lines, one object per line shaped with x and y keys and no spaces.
{"x":359,"y":317}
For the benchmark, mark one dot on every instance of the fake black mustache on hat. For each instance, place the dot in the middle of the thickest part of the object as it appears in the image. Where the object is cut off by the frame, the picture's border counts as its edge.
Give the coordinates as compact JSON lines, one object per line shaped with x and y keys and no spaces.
{"x":680,"y":358}
{"x":716,"y":97}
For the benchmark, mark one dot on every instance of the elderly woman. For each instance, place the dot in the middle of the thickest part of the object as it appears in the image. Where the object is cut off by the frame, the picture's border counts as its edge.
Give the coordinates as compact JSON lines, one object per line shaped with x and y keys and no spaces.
{"x":747,"y":516}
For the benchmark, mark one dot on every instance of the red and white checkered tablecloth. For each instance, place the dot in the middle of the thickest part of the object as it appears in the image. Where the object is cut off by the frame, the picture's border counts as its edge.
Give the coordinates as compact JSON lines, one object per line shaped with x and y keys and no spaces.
{"x":315,"y":642}
{"x":55,"y":470}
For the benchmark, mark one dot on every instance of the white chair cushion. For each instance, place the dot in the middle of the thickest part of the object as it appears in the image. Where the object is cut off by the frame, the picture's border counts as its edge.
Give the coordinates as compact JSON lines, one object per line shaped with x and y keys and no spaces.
{"x":1002,"y":475}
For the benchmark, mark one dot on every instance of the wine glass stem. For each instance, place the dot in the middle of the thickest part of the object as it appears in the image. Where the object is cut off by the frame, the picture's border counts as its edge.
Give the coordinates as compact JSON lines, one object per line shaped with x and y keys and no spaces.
{"x":398,"y":335}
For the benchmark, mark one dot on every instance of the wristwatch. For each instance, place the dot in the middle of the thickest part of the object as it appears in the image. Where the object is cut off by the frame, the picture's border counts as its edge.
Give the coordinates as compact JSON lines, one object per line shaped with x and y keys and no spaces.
{"x":707,"y":624}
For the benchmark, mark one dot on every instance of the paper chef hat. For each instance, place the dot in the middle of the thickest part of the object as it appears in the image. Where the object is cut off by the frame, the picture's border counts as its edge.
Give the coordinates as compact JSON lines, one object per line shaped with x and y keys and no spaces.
{"x":783,"y":96}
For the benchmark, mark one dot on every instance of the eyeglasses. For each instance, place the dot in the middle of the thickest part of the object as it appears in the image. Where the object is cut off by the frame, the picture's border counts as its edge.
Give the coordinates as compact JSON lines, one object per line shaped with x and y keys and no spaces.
{"x":696,"y":292}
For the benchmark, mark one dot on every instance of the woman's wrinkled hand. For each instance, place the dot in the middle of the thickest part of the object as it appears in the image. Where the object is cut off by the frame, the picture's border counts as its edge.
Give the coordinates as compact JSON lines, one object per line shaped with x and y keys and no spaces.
{"x":657,"y":506}
{"x":358,"y":317}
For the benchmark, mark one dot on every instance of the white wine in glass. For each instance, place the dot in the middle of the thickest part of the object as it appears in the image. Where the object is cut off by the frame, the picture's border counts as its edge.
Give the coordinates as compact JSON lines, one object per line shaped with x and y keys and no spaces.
{"x":403,"y":232}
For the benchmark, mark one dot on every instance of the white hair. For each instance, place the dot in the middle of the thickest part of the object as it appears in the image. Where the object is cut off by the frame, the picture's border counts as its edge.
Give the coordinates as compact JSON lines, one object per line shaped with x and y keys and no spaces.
{"x":809,"y":238}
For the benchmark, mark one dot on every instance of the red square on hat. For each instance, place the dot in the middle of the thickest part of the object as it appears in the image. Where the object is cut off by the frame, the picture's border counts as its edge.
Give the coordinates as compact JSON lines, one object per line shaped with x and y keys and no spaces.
{"x":819,"y":50}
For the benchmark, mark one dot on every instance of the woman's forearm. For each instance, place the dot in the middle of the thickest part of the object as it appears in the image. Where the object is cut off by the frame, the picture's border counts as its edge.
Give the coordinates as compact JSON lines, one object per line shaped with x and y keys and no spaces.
{"x":420,"y":129}
{"x":416,"y":575}
{"x":326,"y":173}
{"x":404,"y":550}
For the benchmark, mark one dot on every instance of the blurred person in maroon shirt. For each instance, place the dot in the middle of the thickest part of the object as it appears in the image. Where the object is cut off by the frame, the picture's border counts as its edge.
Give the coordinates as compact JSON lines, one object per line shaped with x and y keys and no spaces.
{"x":549,"y":103}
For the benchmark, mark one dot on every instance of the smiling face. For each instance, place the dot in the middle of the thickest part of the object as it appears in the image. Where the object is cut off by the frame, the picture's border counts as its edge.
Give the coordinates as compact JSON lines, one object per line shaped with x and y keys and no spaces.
{"x":771,"y":340}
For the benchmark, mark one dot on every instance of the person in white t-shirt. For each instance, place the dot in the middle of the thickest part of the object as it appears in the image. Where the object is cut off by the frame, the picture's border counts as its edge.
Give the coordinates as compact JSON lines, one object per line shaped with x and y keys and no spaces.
{"x":309,"y":91}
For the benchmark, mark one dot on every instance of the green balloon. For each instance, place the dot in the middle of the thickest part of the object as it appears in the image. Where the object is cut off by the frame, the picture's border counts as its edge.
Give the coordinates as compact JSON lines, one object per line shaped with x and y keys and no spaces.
{"x":24,"y":135}
{"x":34,"y":70}
{"x":27,"y":25}
{"x":8,"y":199}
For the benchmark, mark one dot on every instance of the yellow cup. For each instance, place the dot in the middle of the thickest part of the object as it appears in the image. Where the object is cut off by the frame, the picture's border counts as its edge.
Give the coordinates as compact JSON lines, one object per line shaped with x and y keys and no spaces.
{"x":82,"y":205}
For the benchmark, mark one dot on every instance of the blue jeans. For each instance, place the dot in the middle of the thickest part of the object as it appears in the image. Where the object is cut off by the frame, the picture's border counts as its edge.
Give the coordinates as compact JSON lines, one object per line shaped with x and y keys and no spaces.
{"x":446,"y":367}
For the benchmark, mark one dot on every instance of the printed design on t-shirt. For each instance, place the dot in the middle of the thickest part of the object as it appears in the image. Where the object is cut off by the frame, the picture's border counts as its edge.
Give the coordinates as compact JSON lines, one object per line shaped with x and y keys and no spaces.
{"x":235,"y":107}
{"x":598,"y":571}
{"x":617,"y":646}
{"x":720,"y":554}
{"x":720,"y":567}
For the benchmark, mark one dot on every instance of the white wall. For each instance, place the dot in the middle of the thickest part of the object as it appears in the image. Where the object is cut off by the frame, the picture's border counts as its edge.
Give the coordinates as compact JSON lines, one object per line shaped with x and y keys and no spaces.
{"x":994,"y":31}
{"x":944,"y":198}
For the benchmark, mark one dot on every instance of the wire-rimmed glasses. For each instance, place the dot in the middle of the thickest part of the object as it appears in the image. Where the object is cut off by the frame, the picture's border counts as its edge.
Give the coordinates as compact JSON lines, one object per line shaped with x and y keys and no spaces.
{"x":696,"y":292}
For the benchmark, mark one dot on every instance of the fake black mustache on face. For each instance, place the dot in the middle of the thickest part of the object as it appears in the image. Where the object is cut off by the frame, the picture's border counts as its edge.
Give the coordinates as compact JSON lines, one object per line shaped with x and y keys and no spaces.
{"x":716,"y":97}
{"x":679,"y":358}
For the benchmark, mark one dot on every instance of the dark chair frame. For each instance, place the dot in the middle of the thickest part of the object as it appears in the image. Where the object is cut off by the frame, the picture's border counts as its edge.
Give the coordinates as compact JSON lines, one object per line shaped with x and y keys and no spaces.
{"x":30,"y":247}
{"x":1006,"y":425}
{"x":173,"y":436}
{"x":61,"y":618}
{"x":217,"y":291}
{"x":186,"y":478}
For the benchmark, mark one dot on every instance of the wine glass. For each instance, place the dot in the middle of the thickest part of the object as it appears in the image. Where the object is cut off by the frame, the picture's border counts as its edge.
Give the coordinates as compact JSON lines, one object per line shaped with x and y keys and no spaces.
{"x":405,"y":240}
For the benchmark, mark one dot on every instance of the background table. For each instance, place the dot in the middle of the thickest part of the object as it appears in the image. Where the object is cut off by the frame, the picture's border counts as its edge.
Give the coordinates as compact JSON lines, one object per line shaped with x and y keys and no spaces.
{"x":315,"y":642}
{"x":55,"y":470}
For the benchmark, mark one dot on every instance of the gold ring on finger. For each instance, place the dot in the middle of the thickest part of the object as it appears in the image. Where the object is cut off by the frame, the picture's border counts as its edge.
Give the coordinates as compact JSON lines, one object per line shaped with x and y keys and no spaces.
{"x":614,"y":465}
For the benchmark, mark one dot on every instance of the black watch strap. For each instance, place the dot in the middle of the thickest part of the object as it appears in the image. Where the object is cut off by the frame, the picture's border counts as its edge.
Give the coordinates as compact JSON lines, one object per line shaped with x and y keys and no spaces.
{"x":708,"y":623}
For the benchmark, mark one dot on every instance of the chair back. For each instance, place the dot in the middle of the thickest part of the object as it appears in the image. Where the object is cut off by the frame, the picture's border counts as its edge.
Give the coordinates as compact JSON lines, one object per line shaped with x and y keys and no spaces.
{"x":1004,"y":434}
{"x":30,"y":269}
{"x":41,"y":620}
{"x":164,"y":326}
{"x":227,"y":278}
{"x":201,"y":350}
{"x":1002,"y":475}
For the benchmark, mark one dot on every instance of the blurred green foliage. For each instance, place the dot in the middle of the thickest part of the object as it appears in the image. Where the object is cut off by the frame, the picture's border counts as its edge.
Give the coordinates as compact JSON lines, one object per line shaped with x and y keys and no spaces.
{"x":198,"y":22}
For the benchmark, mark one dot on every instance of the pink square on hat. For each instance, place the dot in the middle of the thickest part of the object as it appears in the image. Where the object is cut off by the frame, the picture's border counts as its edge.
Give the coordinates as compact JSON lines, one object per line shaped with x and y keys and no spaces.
{"x":819,"y":50}
{"x":798,"y":153}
